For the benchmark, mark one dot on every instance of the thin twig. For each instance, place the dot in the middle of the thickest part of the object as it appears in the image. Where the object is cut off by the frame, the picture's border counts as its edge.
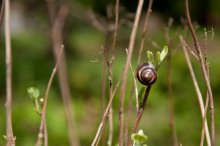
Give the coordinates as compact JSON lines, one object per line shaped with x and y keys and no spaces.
{"x":104,"y":118}
{"x":42,"y":127}
{"x":107,"y":66}
{"x":134,"y":85}
{"x":204,"y":120}
{"x":169,"y":85}
{"x":125,"y":72}
{"x":196,"y":86}
{"x":141,"y":110}
{"x":207,"y":98}
{"x":95,"y":22}
{"x":205,"y":73}
{"x":57,"y":24}
{"x":111,"y":61}
{"x":10,"y":139}
{"x":191,"y":51}
{"x":2,"y":11}
{"x":149,"y":10}
{"x":115,"y":26}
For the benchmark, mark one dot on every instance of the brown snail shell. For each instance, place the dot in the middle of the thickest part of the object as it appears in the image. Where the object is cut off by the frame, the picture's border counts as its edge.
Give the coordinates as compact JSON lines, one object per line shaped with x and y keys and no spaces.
{"x":146,"y":74}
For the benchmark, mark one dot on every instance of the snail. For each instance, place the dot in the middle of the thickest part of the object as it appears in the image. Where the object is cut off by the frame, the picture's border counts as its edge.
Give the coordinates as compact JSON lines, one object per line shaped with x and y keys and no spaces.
{"x":146,"y":74}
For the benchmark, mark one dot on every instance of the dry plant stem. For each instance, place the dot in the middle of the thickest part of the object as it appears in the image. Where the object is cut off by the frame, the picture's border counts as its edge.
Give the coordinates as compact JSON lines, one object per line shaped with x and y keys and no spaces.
{"x":104,"y":118}
{"x":95,"y":21}
{"x":10,"y":141}
{"x":149,"y":10}
{"x":171,"y":110}
{"x":170,"y":88}
{"x":103,"y":89}
{"x":110,"y":139}
{"x":127,"y":121}
{"x":205,"y":74}
{"x":207,"y":102}
{"x":203,"y":120}
{"x":57,"y":23}
{"x":106,"y":69}
{"x":134,"y":86}
{"x":2,"y":11}
{"x":141,"y":110}
{"x":115,"y":26}
{"x":42,"y":127}
{"x":134,"y":89}
{"x":125,"y":72}
{"x":198,"y":92}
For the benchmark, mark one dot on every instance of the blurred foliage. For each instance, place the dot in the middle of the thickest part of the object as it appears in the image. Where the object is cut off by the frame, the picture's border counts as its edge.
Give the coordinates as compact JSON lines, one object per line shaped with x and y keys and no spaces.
{"x":33,"y":63}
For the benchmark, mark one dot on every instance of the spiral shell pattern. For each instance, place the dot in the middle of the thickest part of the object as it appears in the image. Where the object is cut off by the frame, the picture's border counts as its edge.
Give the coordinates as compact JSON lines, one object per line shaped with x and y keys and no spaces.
{"x":146,"y":74}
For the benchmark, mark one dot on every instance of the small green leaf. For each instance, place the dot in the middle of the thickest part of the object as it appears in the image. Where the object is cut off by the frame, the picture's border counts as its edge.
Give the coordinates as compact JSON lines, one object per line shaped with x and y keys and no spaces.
{"x":150,"y":57}
{"x":163,"y":53}
{"x":158,"y":58}
{"x":33,"y":92}
{"x":139,"y":137}
{"x":4,"y":137}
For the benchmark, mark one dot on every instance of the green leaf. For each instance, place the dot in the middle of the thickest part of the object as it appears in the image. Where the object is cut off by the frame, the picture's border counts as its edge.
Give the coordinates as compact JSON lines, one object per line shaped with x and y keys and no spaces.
{"x":33,"y":92}
{"x":150,"y":57}
{"x":139,"y":137}
{"x":163,"y":53}
{"x":158,"y":58}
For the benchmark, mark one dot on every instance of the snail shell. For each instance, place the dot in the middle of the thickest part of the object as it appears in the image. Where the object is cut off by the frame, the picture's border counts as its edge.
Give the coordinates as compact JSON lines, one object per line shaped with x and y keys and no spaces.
{"x":146,"y":74}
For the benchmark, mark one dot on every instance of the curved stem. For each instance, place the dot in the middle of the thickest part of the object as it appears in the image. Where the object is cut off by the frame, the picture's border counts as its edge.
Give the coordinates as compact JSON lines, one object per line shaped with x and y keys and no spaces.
{"x":205,"y":73}
{"x":140,"y":111}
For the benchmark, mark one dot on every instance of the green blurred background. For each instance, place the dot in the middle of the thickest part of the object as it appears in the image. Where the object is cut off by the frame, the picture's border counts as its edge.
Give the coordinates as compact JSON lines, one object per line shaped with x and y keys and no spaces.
{"x":33,"y":63}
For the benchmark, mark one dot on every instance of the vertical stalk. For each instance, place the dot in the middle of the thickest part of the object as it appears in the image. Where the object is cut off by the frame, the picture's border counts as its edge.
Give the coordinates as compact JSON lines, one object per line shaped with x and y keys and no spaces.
{"x":57,"y":23}
{"x":10,"y":141}
{"x":134,"y":86}
{"x":170,"y":87}
{"x":125,"y":72}
{"x":198,"y":92}
{"x":43,"y":128}
{"x":204,"y":71}
{"x":170,"y":94}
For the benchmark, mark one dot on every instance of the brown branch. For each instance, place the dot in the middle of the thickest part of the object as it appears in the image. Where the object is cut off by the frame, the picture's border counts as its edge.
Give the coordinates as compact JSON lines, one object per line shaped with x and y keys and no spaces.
{"x":207,"y":97}
{"x":141,"y":109}
{"x":140,"y":112}
{"x":92,"y":17}
{"x":196,"y":86}
{"x":115,"y":26}
{"x":57,"y":23}
{"x":111,"y":61}
{"x":111,"y":37}
{"x":106,"y":69}
{"x":42,"y":127}
{"x":125,"y":72}
{"x":205,"y":73}
{"x":105,"y":116}
{"x":2,"y":11}
{"x":10,"y":139}
{"x":169,"y":85}
{"x":134,"y":89}
{"x":149,"y":10}
{"x":204,"y":120}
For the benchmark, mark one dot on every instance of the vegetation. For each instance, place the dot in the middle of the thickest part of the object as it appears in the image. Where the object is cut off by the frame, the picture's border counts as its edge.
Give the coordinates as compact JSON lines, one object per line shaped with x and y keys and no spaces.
{"x":74,"y":65}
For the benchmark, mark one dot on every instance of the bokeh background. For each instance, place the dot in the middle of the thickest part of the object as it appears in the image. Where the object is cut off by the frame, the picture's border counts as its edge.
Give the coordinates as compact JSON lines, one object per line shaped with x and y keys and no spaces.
{"x":33,"y":62}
